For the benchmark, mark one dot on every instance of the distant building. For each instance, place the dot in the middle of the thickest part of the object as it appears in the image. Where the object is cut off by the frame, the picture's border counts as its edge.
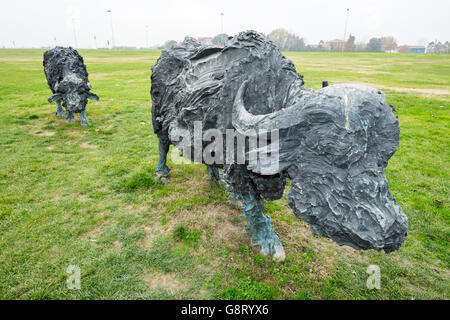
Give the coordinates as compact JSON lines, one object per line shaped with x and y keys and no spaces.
{"x":334,"y":45}
{"x":206,"y":41}
{"x":411,"y":49}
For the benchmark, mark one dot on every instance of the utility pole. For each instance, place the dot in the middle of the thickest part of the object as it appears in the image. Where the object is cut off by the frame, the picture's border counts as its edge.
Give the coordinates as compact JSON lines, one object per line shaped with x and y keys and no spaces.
{"x":74,"y":32}
{"x":95,"y":42}
{"x":345,"y":30}
{"x":113,"y":44}
{"x":56,"y":43}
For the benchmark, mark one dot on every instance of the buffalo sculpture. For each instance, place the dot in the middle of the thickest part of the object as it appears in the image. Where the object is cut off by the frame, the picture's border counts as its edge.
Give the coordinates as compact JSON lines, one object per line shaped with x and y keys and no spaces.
{"x":333,"y":143}
{"x":67,"y":77}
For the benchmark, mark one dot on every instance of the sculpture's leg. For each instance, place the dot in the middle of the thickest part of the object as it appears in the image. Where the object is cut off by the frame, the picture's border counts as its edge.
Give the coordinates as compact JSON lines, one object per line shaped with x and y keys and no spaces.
{"x":59,"y":109}
{"x":84,"y":121}
{"x":162,"y":170}
{"x":213,"y":173}
{"x":260,"y":227}
{"x":69,"y":117}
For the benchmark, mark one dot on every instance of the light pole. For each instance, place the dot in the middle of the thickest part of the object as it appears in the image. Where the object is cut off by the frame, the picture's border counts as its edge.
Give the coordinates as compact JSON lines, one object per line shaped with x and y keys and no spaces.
{"x":95,"y":42}
{"x":221,"y":15}
{"x":345,"y":30}
{"x":112,"y":29}
{"x":74,"y":32}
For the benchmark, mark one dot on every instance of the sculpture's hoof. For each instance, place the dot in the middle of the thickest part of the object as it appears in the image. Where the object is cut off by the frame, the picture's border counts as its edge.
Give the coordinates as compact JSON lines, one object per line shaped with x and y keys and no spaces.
{"x":271,"y":247}
{"x":60,"y":114}
{"x":279,"y":254}
{"x":70,"y":120}
{"x":269,"y":242}
{"x":162,"y":176}
{"x":162,"y":171}
{"x":236,"y":202}
{"x":85,"y":123}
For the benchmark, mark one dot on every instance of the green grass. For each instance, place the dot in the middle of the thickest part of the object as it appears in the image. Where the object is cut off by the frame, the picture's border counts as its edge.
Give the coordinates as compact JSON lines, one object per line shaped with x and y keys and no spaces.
{"x":86,"y":196}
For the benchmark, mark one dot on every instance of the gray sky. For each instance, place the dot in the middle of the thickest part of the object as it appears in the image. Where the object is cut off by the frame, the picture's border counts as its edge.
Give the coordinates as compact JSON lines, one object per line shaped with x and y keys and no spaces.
{"x":37,"y":23}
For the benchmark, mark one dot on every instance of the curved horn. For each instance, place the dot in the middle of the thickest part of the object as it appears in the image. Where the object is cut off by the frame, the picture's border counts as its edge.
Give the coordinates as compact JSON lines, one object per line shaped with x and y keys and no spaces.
{"x":246,"y":123}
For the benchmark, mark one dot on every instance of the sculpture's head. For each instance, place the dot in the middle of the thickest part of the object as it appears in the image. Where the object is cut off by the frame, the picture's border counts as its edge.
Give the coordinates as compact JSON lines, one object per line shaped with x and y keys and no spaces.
{"x":74,"y":92}
{"x":334,"y":145}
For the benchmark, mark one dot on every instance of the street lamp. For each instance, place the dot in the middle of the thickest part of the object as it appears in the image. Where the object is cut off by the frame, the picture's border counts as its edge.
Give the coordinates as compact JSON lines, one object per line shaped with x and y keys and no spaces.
{"x":74,"y":32}
{"x":113,"y":44}
{"x":345,"y":30}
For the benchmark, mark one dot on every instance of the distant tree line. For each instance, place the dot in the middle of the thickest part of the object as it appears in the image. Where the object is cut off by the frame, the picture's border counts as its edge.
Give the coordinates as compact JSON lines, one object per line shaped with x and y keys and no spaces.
{"x":289,"y":41}
{"x":438,"y":47}
{"x":220,"y":39}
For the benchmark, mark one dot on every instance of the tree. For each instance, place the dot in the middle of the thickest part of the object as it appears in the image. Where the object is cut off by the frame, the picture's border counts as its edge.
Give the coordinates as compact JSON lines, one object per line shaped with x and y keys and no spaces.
{"x":374,"y":45}
{"x":437,"y":47}
{"x":350,"y":44}
{"x":361,"y":47}
{"x":220,"y":39}
{"x":431,"y":47}
{"x":388,"y":44}
{"x":170,"y":44}
{"x":287,"y":41}
{"x":279,"y":36}
{"x":321,"y":46}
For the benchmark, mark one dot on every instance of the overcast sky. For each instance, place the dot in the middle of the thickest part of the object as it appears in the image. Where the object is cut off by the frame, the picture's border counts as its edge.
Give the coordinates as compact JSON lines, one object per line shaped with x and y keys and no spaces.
{"x":38,"y":23}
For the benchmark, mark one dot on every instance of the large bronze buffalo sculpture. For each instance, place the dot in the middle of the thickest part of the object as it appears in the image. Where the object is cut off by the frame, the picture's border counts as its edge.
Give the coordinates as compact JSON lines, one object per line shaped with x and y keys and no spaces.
{"x":333,"y":143}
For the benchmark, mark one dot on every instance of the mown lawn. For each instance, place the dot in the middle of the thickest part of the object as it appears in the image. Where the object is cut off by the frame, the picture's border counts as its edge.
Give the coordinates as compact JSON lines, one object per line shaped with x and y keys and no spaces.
{"x":86,"y":196}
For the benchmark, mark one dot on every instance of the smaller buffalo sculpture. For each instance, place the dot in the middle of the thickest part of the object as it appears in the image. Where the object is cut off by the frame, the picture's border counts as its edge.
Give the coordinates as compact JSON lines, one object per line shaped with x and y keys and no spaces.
{"x":67,"y":77}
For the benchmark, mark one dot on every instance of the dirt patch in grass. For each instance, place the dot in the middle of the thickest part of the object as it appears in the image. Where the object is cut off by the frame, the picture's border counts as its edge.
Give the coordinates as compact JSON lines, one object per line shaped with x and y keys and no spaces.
{"x":218,"y":223}
{"x":422,"y":91}
{"x":152,"y":231}
{"x":75,"y":133}
{"x":21,"y":60}
{"x":115,"y":59}
{"x":94,"y":234}
{"x":82,"y":197}
{"x":164,"y":281}
{"x":97,"y":76}
{"x":117,"y":246}
{"x":86,"y":145}
{"x":43,"y":133}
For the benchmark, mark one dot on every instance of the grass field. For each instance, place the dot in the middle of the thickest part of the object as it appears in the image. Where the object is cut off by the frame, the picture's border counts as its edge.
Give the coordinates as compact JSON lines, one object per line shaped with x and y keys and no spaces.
{"x":85,"y":196}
